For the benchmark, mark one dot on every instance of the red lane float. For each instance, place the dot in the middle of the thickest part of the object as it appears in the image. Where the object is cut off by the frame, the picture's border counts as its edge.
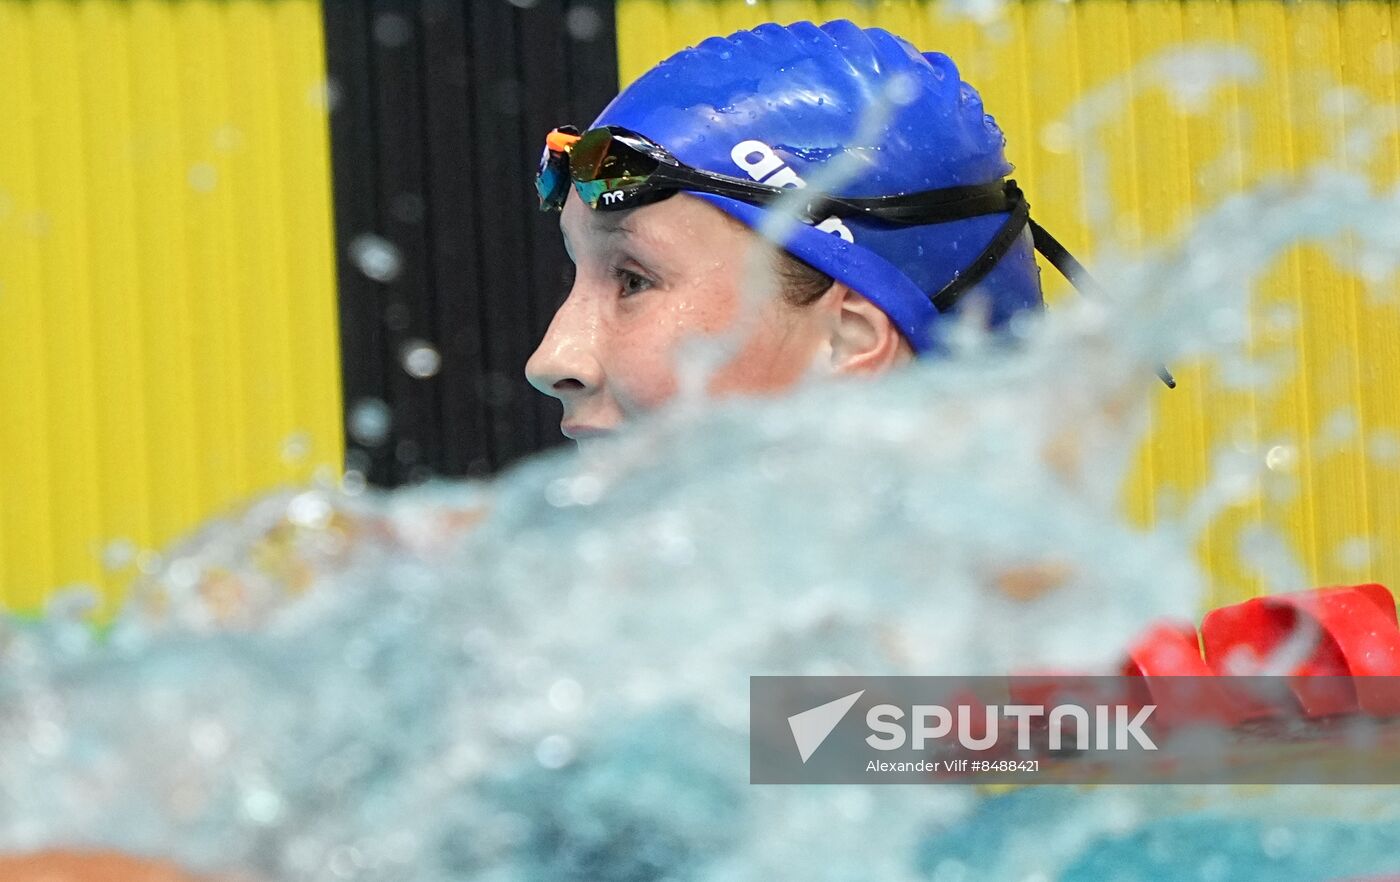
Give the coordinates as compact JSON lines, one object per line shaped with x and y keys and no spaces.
{"x":1339,"y":649}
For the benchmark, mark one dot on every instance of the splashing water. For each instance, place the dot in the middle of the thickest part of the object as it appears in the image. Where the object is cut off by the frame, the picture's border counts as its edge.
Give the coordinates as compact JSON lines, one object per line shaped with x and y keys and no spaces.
{"x":546,"y":677}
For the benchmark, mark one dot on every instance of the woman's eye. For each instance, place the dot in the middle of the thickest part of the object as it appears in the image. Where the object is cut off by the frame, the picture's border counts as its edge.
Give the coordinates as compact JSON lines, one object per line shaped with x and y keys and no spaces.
{"x":630,"y":282}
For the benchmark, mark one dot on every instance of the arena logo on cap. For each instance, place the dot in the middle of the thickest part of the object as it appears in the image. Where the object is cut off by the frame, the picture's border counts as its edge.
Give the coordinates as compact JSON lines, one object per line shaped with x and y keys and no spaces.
{"x":762,"y":164}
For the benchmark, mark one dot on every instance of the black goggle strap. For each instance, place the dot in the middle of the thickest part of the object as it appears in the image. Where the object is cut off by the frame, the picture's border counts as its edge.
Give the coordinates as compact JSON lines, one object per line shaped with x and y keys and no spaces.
{"x":1059,"y":257}
{"x":685,"y":177}
{"x":1078,"y":276}
{"x":949,"y":295}
{"x":926,"y":207}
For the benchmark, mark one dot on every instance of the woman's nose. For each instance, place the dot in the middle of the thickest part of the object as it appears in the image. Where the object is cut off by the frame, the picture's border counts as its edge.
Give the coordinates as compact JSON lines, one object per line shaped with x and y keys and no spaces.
{"x":565,"y":364}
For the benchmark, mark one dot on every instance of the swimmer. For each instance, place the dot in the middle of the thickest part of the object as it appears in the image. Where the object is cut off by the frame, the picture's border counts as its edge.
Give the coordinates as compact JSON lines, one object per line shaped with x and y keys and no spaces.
{"x":662,"y":197}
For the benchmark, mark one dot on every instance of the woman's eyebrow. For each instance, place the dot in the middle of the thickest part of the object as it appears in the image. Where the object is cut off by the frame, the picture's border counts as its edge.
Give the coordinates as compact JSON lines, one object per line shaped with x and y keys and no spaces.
{"x":625,"y":235}
{"x":616,"y":223}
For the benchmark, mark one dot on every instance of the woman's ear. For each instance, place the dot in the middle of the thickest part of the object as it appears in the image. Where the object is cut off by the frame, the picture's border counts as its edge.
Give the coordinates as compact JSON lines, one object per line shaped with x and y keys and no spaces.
{"x":863,"y":339}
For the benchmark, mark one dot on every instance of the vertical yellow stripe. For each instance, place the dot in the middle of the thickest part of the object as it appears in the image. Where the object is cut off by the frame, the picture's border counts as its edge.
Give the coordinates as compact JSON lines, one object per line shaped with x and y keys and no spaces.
{"x":161,"y":218}
{"x":1055,"y":186}
{"x":1284,"y":410}
{"x":24,"y":495}
{"x":211,"y":247}
{"x":260,"y":237}
{"x":1329,"y":327}
{"x":1365,"y":40}
{"x":1162,"y":173}
{"x":121,"y":360}
{"x":309,"y":240}
{"x":167,"y":279}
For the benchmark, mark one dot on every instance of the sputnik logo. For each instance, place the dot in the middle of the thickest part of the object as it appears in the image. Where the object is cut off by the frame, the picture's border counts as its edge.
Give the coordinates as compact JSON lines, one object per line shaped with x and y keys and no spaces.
{"x":811,"y":727}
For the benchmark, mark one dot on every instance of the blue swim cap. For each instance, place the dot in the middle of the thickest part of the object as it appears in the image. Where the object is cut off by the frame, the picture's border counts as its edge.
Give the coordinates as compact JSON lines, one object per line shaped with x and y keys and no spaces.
{"x":774,"y":103}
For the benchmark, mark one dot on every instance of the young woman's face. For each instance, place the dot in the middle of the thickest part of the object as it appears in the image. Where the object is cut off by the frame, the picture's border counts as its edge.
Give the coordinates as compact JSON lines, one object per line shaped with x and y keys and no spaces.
{"x":645,"y":281}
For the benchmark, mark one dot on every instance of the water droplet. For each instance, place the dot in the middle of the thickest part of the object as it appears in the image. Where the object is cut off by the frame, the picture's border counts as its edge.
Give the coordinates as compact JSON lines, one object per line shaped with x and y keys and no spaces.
{"x":580,"y":490}
{"x":554,"y":751}
{"x":392,"y":30}
{"x":420,"y":359}
{"x":183,"y":574}
{"x":1340,"y":426}
{"x":209,"y":739}
{"x":370,"y":419}
{"x":1057,"y":137}
{"x":310,"y":510}
{"x":353,"y":482}
{"x":566,"y":695}
{"x":1281,"y":458}
{"x":296,"y":447}
{"x":1384,"y":446}
{"x":324,"y":96}
{"x":47,"y":738}
{"x":228,"y":139}
{"x":583,"y":22}
{"x":38,"y":223}
{"x":1342,"y":101}
{"x":1354,"y":553}
{"x":262,"y":806}
{"x":376,"y":257}
{"x":118,"y":554}
{"x":203,"y":177}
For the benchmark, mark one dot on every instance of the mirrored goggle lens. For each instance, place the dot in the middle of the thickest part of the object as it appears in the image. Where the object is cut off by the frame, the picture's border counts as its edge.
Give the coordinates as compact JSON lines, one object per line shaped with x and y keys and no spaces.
{"x":607,"y":170}
{"x":552,"y":182}
{"x":600,"y":156}
{"x":609,"y":192}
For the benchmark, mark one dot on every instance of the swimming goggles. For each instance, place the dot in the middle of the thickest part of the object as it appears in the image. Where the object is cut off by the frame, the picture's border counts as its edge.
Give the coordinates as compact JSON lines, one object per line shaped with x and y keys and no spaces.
{"x":614,"y":169}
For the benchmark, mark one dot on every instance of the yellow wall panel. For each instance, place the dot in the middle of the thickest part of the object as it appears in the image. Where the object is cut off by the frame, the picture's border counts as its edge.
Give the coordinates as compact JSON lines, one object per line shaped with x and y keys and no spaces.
{"x":168,"y":340}
{"x":1325,"y":90}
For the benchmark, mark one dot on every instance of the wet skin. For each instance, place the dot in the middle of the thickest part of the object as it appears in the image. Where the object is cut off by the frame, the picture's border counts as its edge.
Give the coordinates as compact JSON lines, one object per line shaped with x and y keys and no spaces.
{"x":649,"y":279}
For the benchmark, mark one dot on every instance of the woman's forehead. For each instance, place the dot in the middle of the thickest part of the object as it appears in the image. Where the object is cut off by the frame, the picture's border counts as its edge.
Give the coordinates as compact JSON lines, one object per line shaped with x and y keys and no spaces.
{"x":681,"y":221}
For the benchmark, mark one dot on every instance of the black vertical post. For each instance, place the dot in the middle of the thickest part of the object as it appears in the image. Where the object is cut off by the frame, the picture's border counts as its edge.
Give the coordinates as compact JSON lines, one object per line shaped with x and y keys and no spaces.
{"x":440,"y":113}
{"x":464,"y":416}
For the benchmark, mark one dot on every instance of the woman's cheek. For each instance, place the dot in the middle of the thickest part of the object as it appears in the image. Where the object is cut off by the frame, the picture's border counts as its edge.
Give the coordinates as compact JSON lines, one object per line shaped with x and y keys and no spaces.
{"x":768,"y":363}
{"x":643,"y":376}
{"x":643,"y":369}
